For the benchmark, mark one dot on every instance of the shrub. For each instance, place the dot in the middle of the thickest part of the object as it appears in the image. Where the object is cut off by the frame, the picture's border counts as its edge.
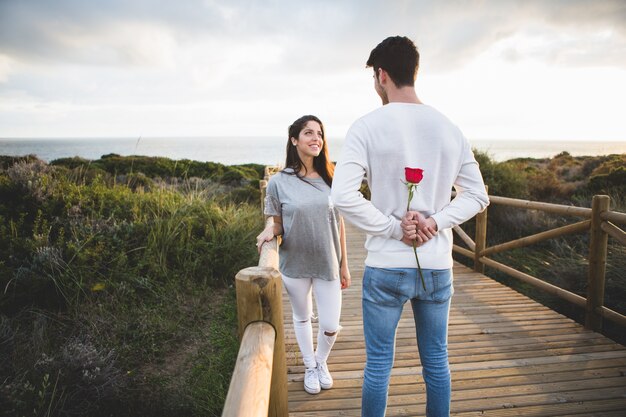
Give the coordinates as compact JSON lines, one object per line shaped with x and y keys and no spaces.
{"x":615,"y":179}
{"x":115,"y":262}
{"x":502,"y":178}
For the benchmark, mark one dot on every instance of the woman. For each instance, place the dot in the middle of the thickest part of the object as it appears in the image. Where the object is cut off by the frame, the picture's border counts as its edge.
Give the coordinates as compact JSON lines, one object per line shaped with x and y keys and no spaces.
{"x":313,"y":250}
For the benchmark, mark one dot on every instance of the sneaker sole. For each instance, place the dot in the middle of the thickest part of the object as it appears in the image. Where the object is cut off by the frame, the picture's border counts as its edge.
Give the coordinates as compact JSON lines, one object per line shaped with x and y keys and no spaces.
{"x":311,"y":391}
{"x":326,"y":386}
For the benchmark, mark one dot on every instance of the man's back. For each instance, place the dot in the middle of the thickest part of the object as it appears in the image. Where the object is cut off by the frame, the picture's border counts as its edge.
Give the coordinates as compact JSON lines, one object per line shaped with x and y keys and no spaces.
{"x":381,"y":144}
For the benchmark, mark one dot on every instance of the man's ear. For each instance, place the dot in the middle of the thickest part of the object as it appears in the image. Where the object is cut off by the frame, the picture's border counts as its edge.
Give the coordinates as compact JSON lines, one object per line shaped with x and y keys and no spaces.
{"x":382,"y":76}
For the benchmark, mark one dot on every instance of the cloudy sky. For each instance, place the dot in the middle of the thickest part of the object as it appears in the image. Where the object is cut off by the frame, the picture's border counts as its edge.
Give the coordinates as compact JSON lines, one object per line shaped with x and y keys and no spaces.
{"x":500,"y":69}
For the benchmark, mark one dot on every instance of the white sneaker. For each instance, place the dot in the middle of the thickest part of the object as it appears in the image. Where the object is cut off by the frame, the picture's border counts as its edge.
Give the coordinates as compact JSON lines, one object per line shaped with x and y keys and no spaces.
{"x":311,"y":381}
{"x":326,"y":381}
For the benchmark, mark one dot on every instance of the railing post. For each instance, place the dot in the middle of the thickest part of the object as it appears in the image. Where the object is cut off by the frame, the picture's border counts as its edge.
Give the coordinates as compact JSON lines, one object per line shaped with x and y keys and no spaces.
{"x":263,"y":189}
{"x":259,"y":298}
{"x":597,"y":263}
{"x":481,"y":238}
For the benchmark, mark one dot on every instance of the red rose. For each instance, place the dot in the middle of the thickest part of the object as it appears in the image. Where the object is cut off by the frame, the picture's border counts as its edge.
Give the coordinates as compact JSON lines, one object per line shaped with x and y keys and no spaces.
{"x":413,"y":175}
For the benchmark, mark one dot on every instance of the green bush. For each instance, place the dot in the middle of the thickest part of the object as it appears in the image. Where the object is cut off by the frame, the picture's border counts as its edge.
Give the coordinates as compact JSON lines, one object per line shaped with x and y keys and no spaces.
{"x":153,"y":167}
{"x":502,"y":178}
{"x":118,"y":270}
{"x":614,"y":180}
{"x":565,"y":180}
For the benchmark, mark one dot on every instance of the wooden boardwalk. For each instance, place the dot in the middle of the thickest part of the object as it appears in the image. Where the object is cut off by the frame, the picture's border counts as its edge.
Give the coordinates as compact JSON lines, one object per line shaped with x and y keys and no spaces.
{"x":509,"y":356}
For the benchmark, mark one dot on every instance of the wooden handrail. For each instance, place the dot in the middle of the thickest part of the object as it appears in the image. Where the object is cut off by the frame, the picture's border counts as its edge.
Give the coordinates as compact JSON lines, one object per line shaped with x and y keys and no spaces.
{"x":465,"y":237}
{"x":259,"y":300}
{"x":255,"y":391}
{"x":614,"y":316}
{"x":600,"y":227}
{"x":249,"y":392}
{"x":463,"y":251}
{"x":613,"y":216}
{"x":614,"y":231}
{"x":529,"y":279}
{"x":539,"y":237}
{"x":269,"y":250}
{"x":547,"y":207}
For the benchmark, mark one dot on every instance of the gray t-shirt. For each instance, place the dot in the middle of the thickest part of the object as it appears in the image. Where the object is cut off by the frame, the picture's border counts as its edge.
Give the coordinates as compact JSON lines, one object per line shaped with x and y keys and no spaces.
{"x":310,"y":246}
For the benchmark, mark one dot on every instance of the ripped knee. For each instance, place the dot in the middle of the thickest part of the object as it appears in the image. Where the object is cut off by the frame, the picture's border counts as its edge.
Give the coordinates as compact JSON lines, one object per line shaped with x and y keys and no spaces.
{"x":331,"y":333}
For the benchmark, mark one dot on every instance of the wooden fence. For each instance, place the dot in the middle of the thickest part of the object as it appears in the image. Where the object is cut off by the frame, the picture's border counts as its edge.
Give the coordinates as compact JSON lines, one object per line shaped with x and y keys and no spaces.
{"x":599,"y":222}
{"x":259,"y":384}
{"x":258,"y":387}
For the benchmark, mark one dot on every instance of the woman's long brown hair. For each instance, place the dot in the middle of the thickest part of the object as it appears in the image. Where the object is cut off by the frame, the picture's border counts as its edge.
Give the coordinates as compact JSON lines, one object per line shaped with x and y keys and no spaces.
{"x":322,"y":164}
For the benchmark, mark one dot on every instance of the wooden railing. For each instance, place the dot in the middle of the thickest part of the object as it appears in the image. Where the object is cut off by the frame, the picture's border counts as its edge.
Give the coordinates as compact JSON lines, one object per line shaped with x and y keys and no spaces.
{"x":258,"y":387}
{"x":259,"y":383}
{"x":600,"y":222}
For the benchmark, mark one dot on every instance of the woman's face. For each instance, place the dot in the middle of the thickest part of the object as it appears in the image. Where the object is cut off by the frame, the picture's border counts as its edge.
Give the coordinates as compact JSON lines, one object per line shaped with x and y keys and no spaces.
{"x":310,"y":140}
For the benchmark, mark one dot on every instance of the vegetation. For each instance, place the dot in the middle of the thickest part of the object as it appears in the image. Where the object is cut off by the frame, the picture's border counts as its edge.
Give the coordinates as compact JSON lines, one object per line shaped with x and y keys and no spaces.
{"x":566,"y":180}
{"x":116,"y":273}
{"x":116,"y":283}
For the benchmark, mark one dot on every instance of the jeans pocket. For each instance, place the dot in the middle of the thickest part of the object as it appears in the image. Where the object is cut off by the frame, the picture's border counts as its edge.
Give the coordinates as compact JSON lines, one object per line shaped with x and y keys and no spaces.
{"x":384,"y":286}
{"x":443,"y":288}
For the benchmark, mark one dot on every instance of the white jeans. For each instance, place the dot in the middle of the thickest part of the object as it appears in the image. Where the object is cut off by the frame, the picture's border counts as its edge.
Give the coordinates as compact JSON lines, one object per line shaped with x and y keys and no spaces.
{"x":328,"y":301}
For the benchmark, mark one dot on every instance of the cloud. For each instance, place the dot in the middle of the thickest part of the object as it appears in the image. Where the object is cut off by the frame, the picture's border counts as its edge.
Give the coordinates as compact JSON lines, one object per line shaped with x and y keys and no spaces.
{"x":113,"y":32}
{"x":330,"y":33}
{"x":195,"y":56}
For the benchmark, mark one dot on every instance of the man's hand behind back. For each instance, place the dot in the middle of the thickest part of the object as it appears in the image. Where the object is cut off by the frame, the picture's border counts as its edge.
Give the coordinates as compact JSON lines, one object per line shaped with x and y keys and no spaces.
{"x":417,"y":228}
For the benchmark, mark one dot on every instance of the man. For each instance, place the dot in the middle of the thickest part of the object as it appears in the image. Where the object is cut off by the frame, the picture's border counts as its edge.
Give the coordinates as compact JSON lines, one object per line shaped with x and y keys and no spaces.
{"x":404,"y":132}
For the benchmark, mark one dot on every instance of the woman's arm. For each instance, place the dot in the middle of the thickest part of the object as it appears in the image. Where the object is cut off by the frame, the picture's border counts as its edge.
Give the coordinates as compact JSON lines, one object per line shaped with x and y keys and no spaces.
{"x":344,"y":270}
{"x":271,"y":231}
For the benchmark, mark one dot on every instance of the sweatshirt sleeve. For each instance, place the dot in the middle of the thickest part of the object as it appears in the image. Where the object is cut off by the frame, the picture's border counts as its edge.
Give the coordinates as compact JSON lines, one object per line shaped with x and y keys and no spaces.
{"x":471,"y":197}
{"x":346,"y":196}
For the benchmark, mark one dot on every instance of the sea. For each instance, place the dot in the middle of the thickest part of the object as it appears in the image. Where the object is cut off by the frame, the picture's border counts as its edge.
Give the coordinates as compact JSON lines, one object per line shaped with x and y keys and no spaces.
{"x":265,"y":150}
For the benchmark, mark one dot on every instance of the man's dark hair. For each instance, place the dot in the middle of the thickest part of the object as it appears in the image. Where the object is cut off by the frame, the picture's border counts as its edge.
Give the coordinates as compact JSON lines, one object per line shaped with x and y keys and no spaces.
{"x":399,"y":57}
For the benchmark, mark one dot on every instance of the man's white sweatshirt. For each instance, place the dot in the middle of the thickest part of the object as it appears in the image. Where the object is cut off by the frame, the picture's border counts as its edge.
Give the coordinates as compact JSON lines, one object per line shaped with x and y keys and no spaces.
{"x":379,"y":146}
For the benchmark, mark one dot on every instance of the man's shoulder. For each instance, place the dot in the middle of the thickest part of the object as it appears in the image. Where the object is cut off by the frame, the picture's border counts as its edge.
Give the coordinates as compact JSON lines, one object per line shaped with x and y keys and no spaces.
{"x":384,"y":114}
{"x":368,"y":119}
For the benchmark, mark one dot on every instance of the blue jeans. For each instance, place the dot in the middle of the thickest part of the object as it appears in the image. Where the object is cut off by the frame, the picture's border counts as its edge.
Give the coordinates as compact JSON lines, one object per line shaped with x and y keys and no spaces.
{"x":384,"y":293}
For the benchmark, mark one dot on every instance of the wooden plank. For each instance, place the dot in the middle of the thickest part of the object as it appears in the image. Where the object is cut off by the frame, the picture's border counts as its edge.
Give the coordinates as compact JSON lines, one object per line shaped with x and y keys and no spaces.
{"x":464,"y":380}
{"x":509,"y":356}
{"x":349,"y":388}
{"x":604,"y":408}
{"x":413,"y":404}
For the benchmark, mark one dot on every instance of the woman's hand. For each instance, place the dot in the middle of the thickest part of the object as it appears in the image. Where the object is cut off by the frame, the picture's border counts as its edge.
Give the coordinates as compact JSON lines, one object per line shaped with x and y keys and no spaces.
{"x":265,"y":236}
{"x":270,"y":232}
{"x":346,"y":279}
